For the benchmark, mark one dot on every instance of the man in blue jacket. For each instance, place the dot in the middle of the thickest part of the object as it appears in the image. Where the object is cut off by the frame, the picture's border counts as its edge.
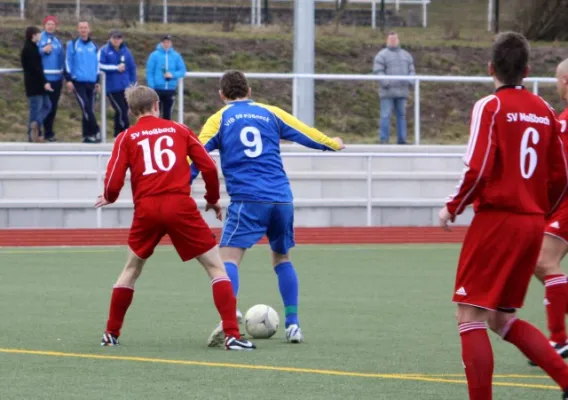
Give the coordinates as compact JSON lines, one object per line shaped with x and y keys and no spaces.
{"x":82,"y":75}
{"x":53,"y":60}
{"x":116,"y":61}
{"x":163,"y":69}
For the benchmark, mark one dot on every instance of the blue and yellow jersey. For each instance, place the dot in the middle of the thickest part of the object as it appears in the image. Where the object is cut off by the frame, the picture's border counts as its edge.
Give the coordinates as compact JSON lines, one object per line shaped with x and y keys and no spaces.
{"x":247,"y":135}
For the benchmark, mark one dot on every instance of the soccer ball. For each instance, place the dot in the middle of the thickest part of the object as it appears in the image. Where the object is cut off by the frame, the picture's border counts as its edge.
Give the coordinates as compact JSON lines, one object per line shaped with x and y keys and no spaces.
{"x":261,"y":321}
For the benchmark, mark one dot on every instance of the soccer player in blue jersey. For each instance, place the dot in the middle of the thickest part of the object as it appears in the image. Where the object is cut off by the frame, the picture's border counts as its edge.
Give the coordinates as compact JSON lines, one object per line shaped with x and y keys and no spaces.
{"x":247,"y":135}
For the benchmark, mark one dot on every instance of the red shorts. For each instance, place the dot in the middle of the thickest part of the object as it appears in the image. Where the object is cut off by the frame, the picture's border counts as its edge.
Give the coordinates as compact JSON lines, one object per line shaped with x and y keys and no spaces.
{"x":557,"y":224}
{"x":498,"y":259}
{"x":174,"y":215}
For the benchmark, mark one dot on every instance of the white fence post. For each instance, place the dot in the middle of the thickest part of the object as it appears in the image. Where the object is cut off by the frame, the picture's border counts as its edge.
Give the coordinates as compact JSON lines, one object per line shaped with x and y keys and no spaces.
{"x":374,"y":14}
{"x":180,"y":100}
{"x":370,"y":190}
{"x":100,"y":189}
{"x":252,"y":12}
{"x":22,"y":9}
{"x":103,"y":108}
{"x":165,"y":18}
{"x":294,"y":96}
{"x":489,"y":15}
{"x":535,"y":87}
{"x":141,"y":11}
{"x":417,"y":112}
{"x":424,"y":13}
{"x":78,"y":9}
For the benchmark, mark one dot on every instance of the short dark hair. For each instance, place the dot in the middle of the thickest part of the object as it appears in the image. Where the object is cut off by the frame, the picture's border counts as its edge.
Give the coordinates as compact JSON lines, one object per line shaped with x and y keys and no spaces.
{"x":31,"y":31}
{"x":510,"y":57}
{"x":234,"y":85}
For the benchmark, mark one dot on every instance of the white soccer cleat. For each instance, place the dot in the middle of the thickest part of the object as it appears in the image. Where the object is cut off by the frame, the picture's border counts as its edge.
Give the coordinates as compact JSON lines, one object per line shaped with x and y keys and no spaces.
{"x":294,"y":334}
{"x":217,"y":337}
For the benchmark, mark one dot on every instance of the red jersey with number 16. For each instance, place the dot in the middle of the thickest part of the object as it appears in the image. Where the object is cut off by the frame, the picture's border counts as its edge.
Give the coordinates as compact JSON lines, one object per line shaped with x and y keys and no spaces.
{"x":155,"y":151}
{"x":514,"y":160}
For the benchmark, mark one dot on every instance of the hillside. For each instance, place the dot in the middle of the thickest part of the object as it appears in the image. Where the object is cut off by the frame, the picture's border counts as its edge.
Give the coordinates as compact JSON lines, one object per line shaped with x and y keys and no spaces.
{"x":345,"y":108}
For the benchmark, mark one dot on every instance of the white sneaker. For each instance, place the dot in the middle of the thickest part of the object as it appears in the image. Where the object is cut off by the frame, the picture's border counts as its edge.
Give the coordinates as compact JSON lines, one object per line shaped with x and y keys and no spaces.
{"x":294,"y":334}
{"x":217,"y":337}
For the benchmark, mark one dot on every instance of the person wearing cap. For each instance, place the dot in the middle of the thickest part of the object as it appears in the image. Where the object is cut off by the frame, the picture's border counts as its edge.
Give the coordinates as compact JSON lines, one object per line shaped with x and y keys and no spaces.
{"x":116,"y":61}
{"x":164,"y":68}
{"x":53,"y":59}
{"x":35,"y":83}
{"x":82,"y":76}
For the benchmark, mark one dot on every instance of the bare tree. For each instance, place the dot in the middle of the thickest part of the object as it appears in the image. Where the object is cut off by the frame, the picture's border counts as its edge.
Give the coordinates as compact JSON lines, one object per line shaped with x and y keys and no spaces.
{"x":341,"y":8}
{"x":543,"y":19}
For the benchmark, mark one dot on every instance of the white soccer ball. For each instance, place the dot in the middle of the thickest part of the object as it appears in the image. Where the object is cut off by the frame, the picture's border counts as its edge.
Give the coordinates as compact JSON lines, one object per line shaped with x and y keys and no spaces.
{"x":261,"y":321}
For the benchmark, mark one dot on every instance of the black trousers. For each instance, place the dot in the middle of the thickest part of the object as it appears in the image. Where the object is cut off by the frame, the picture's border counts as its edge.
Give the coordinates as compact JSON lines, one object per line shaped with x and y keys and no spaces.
{"x":85,"y":93}
{"x":118,"y":103}
{"x":166,"y":103}
{"x":54,"y":97}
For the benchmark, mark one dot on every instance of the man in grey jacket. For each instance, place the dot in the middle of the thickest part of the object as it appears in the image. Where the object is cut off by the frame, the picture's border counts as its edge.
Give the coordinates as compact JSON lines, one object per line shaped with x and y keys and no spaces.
{"x":393,"y":60}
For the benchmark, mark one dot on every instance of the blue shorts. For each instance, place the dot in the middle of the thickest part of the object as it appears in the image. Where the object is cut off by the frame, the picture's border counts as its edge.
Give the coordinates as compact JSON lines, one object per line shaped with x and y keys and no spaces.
{"x":247,"y":223}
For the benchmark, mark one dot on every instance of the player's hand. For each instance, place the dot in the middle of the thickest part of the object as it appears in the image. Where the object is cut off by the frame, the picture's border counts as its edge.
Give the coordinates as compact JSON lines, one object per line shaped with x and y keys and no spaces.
{"x":339,"y":142}
{"x":101,"y":202}
{"x":217,"y":208}
{"x":70,"y":87}
{"x":445,"y":218}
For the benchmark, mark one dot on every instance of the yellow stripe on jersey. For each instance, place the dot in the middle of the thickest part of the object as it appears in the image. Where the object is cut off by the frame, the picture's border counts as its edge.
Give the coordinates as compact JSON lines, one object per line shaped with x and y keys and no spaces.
{"x":211,"y":127}
{"x":300,"y":127}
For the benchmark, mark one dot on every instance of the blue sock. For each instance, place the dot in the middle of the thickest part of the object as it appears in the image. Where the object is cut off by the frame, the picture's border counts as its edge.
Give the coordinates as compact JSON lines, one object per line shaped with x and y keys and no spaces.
{"x":288,"y":285}
{"x":233,"y":272}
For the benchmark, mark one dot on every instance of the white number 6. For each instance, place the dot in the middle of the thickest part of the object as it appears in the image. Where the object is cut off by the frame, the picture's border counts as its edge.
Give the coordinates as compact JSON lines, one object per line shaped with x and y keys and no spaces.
{"x":528,"y":153}
{"x":254,"y":145}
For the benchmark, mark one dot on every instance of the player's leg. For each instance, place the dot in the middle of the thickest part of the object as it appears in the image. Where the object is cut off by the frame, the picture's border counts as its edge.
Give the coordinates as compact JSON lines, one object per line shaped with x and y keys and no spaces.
{"x":548,"y":270}
{"x":280,"y":234}
{"x":477,"y":353}
{"x":387,"y":105}
{"x":122,"y":294}
{"x":532,"y":343}
{"x":232,"y":257}
{"x":192,"y":238}
{"x":145,"y":234}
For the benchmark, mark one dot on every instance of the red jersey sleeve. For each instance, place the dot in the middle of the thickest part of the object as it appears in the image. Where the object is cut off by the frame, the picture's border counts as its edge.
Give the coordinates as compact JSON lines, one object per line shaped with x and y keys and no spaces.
{"x":116,"y":169}
{"x":206,"y":165}
{"x":558,"y":166}
{"x":480,"y":154}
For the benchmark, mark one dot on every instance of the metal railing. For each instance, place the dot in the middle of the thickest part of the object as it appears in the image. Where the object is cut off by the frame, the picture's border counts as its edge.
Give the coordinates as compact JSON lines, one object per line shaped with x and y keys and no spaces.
{"x":416,"y":79}
{"x":367,"y":156}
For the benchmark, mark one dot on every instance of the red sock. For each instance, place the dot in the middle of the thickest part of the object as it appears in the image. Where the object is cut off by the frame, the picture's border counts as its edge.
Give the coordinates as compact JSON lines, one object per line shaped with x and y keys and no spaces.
{"x":119,"y":303}
{"x":226,"y":304}
{"x":556,"y":301}
{"x":536,"y":348}
{"x":477,"y":357}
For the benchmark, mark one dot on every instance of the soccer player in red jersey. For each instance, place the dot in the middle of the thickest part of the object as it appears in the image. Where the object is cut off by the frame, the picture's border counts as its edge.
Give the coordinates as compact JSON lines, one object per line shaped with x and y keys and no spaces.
{"x":515,"y":173}
{"x":156,"y":151}
{"x":554,"y":248}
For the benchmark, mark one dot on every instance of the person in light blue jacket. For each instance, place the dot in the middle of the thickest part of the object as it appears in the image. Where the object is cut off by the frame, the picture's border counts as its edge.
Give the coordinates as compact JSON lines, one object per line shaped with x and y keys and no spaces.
{"x":82,"y":75}
{"x":164,"y":68}
{"x":116,"y":61}
{"x":53,"y":60}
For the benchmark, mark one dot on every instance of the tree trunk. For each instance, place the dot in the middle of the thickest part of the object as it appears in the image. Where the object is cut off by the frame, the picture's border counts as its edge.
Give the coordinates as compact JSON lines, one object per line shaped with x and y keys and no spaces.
{"x":342,"y":6}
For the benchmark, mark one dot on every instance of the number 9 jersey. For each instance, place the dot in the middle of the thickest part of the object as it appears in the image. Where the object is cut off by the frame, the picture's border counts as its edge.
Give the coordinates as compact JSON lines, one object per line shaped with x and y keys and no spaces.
{"x":515,"y":161}
{"x":247,"y":135}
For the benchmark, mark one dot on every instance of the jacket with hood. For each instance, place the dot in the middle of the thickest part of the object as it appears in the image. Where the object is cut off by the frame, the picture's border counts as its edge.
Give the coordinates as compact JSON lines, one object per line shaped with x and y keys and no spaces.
{"x":109,"y":60}
{"x":160,"y":62}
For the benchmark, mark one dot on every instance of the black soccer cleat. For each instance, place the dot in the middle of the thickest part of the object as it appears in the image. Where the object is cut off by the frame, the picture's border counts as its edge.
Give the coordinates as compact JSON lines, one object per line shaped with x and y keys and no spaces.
{"x":561,"y":349}
{"x":232,"y":343}
{"x":109,"y":340}
{"x":565,"y":395}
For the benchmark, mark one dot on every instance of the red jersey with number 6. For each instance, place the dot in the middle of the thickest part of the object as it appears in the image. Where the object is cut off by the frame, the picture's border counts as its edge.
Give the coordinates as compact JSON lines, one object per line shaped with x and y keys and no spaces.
{"x":155,"y":151}
{"x":515,"y":160}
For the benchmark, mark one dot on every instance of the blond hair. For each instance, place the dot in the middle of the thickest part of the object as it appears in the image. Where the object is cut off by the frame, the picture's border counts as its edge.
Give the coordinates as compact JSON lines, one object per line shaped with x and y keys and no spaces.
{"x":140,"y":99}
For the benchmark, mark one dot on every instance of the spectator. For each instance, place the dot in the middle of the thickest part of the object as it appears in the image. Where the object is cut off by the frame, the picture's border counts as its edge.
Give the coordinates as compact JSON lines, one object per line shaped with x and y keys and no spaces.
{"x":393,"y":94}
{"x":36,"y":84}
{"x":116,"y":61}
{"x":163,"y":69}
{"x":82,"y":75}
{"x":53,"y":59}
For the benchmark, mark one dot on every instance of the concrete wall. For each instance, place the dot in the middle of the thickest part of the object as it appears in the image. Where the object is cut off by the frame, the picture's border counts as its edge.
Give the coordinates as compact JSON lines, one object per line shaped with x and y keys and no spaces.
{"x":59,"y":191}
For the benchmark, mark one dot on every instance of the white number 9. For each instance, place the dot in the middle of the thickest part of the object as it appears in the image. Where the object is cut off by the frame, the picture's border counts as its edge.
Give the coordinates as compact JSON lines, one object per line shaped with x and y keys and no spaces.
{"x":254,"y":145}
{"x":529,"y":152}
